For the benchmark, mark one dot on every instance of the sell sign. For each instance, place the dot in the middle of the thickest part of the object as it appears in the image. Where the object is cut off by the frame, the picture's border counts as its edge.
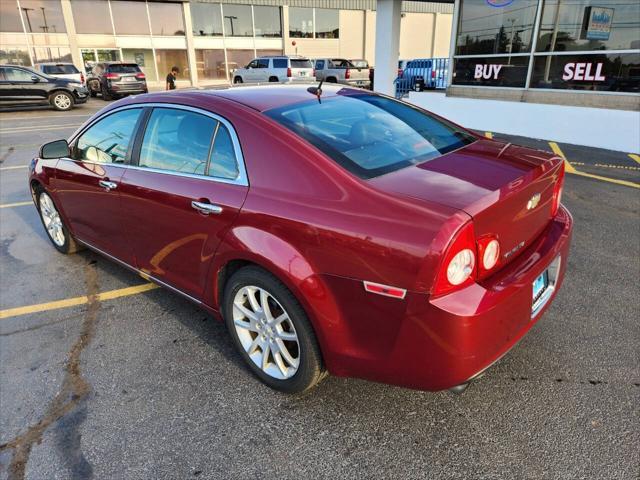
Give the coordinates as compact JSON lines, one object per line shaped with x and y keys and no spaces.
{"x":587,"y":72}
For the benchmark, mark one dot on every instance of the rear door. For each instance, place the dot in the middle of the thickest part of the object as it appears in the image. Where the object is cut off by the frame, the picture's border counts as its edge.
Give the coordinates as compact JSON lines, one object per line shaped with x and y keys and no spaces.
{"x":88,"y":184}
{"x":301,"y":69}
{"x":183,"y":195}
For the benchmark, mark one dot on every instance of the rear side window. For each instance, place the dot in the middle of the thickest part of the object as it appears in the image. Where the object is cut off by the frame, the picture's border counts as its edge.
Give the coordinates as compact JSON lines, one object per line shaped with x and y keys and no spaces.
{"x":263,"y":63}
{"x":301,"y":63}
{"x":280,"y":63}
{"x":371,"y":135}
{"x":223,"y":158}
{"x":59,"y":69}
{"x":177,"y":140}
{"x":108,"y":140}
{"x":319,"y":64}
{"x":123,"y":68}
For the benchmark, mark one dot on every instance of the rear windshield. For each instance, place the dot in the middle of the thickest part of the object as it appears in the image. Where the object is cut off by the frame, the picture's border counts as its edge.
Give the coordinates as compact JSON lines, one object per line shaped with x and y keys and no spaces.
{"x":301,"y":63}
{"x":59,"y":69}
{"x":123,"y":68}
{"x":371,"y":135}
{"x":419,"y":64}
{"x":360,"y":63}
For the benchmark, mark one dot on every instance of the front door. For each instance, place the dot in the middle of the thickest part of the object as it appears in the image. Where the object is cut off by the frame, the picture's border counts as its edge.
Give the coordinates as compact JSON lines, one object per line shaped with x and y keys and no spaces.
{"x":183,"y":195}
{"x":88,"y":184}
{"x":19,"y":85}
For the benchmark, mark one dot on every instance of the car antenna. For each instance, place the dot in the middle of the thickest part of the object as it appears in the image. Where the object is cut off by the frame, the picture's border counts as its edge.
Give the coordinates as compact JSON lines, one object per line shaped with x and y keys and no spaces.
{"x":317,"y":91}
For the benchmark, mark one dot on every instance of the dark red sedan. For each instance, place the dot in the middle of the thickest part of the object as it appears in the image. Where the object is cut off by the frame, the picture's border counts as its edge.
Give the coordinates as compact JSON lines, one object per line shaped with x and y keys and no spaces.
{"x":352,"y":233}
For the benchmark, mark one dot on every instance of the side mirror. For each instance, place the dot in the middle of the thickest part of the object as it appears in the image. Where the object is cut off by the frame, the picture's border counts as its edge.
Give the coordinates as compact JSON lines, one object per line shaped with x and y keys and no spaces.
{"x":35,"y":78}
{"x":56,"y":149}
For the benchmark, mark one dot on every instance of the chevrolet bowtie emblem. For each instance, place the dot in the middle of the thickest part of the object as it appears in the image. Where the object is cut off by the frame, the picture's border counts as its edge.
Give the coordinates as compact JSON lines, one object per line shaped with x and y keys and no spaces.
{"x":533,"y":202}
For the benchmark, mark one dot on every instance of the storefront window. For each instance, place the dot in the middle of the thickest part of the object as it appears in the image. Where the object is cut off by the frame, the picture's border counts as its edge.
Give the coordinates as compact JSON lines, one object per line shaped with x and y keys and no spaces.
{"x":42,"y":16}
{"x":167,"y":59}
{"x":493,"y":71}
{"x":206,"y":19}
{"x":589,"y":25}
{"x":237,"y":20}
{"x":301,"y":22}
{"x":144,"y":58}
{"x":51,"y":54}
{"x":238,"y":59}
{"x":130,"y":18}
{"x":211,"y":65}
{"x":166,"y":19}
{"x":495,"y":26}
{"x":327,"y":23}
{"x":14,"y":56}
{"x":610,"y":73}
{"x":10,"y":16}
{"x":268,"y":21}
{"x":91,"y":16}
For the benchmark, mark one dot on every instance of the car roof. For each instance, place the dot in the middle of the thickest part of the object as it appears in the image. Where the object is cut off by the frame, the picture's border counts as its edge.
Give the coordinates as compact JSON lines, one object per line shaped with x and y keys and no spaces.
{"x":54,"y":63}
{"x":266,"y":97}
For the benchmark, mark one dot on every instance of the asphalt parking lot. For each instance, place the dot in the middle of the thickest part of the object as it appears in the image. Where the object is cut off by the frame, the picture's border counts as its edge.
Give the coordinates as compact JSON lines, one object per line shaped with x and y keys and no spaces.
{"x":103,"y":376}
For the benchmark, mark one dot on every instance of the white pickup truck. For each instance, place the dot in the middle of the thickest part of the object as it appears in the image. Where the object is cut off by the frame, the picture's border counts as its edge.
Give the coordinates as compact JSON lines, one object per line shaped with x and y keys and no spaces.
{"x":341,"y":70}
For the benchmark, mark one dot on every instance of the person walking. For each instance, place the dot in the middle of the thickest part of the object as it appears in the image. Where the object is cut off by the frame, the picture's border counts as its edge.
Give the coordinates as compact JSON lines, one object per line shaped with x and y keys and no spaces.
{"x":171,"y":78}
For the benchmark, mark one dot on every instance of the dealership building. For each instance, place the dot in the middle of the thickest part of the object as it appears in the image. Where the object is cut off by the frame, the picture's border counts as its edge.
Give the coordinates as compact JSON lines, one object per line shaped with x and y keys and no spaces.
{"x":208,"y":39}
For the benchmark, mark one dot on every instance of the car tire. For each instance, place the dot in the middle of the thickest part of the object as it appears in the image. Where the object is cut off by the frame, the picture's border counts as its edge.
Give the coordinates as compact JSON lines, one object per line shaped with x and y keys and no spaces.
{"x":62,"y":101}
{"x":51,"y":219}
{"x":263,"y":334}
{"x":237,"y":80}
{"x":332,"y":80}
{"x":273,"y":79}
{"x":106,"y":96}
{"x":93,"y":93}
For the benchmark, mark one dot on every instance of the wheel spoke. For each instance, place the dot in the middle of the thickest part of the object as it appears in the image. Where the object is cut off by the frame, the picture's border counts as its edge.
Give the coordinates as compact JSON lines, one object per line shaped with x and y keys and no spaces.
{"x":254,"y":345}
{"x":284,"y":351}
{"x":246,"y":312}
{"x":279,"y":319}
{"x":246,"y":325}
{"x":277,"y":356}
{"x":265,"y":356}
{"x":251,"y":294}
{"x":264,"y":303}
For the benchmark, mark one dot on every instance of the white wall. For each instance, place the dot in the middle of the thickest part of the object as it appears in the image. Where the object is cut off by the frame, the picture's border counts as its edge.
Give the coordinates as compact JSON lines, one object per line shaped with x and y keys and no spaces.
{"x":593,"y":127}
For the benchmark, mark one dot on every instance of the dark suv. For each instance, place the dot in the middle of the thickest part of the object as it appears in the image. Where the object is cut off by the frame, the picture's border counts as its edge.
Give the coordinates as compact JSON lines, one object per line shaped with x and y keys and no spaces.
{"x":24,"y":86}
{"x":114,"y":79}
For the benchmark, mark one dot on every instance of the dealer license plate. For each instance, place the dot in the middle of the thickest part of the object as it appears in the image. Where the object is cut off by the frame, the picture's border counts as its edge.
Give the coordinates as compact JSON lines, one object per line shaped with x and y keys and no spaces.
{"x":129,"y":79}
{"x":540,"y":284}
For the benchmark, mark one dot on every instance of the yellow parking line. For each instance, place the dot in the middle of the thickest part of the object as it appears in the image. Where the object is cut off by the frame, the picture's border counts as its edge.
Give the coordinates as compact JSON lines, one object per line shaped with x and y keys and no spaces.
{"x":607,"y":179}
{"x":14,"y":167}
{"x":488,"y":134}
{"x":635,"y":157}
{"x":17,"y":204}
{"x":72,"y":302}
{"x":556,"y":149}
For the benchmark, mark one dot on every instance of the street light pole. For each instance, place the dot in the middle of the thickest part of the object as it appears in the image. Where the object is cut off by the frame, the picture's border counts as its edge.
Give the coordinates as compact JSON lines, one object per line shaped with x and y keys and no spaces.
{"x":231,"y":19}
{"x":26,"y":14}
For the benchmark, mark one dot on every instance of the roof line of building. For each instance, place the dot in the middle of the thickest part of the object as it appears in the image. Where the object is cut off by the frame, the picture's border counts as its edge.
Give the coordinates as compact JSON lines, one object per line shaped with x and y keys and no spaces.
{"x":443,"y":6}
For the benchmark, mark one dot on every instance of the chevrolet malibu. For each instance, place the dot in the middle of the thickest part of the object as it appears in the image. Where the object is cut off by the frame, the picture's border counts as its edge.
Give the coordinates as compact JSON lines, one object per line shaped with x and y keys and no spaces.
{"x":338,"y":232}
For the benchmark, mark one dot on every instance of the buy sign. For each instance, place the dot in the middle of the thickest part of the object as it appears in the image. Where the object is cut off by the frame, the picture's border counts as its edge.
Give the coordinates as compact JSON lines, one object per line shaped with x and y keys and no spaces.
{"x":487,"y":71}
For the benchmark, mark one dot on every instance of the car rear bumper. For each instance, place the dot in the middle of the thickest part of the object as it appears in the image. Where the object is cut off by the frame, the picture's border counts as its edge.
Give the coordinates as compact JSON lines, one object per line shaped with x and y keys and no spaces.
{"x":438,"y":343}
{"x":134,"y":87}
{"x":81,"y":95}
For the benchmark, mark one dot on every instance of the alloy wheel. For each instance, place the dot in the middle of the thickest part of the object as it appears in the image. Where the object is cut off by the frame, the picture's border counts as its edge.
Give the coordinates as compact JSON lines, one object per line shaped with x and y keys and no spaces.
{"x":266,"y":332}
{"x":62,"y":101}
{"x":51,"y":219}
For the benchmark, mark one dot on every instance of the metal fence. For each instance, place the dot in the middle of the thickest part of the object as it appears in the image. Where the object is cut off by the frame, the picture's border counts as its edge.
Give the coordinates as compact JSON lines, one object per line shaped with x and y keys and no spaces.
{"x":422,"y":74}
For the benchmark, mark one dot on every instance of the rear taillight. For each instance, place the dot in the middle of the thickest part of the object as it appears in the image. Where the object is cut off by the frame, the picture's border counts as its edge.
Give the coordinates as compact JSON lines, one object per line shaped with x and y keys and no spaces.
{"x":313,"y":74}
{"x":458,"y":268}
{"x":433,"y":74}
{"x":289,"y":72}
{"x":111,"y":76}
{"x":400,"y":72}
{"x":488,"y":254}
{"x":81,"y":78}
{"x":347,"y":74}
{"x":140,"y":76}
{"x":557,"y":192}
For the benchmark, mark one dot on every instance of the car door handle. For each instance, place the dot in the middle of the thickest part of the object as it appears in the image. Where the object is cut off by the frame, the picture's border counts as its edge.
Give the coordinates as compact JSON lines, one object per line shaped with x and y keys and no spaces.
{"x":107,"y":185}
{"x":206,"y":208}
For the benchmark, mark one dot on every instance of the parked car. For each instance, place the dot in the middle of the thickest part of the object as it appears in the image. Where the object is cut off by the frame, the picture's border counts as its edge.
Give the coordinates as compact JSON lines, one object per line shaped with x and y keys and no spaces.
{"x":401,"y":66}
{"x":116,"y":79}
{"x":341,"y":70}
{"x":61,"y":70}
{"x":282,"y":69}
{"x":24,"y":86}
{"x":357,"y":235}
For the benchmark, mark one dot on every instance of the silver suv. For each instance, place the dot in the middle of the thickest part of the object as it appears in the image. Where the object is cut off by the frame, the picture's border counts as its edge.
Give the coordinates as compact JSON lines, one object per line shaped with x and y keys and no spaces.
{"x":283,"y":69}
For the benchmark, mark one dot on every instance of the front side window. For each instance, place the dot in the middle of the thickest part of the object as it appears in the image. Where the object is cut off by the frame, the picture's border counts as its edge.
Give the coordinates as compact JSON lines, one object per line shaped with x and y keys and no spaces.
{"x":492,"y":26}
{"x":109,"y":139}
{"x":370,"y":135}
{"x":18,"y":75}
{"x":178,"y":141}
{"x":263,"y":63}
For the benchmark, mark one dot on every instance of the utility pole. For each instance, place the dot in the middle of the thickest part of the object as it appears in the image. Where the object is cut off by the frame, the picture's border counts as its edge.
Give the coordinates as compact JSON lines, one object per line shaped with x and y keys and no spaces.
{"x":26,"y":14}
{"x":231,"y":19}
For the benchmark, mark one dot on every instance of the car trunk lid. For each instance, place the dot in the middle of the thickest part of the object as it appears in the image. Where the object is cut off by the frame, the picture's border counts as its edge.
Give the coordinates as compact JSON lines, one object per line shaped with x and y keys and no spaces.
{"x":506,"y":189}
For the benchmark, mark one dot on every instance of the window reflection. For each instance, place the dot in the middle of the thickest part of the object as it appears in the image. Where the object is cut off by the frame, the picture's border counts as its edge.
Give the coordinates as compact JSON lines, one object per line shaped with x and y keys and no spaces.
{"x":238,"y":59}
{"x":484,"y":29}
{"x":589,"y":25}
{"x":206,"y":19}
{"x":10,"y":16}
{"x":108,"y":140}
{"x":14,"y":56}
{"x":211,"y":64}
{"x":42,"y":16}
{"x":267,"y":21}
{"x":166,"y":19}
{"x":167,"y":59}
{"x":237,"y":20}
{"x":130,"y":18}
{"x":327,"y":23}
{"x":301,"y":22}
{"x":51,"y":54}
{"x":91,"y":16}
